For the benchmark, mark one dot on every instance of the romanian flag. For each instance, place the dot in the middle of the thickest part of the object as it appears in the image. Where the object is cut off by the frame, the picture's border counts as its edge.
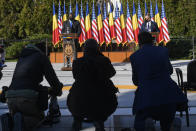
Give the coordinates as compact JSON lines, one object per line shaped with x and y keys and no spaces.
{"x":64,"y":15}
{"x":88,"y":23}
{"x":135,"y":24}
{"x":158,"y":21}
{"x":111,"y":23}
{"x":55,"y":32}
{"x":100,"y":26}
{"x":77,"y":16}
{"x":123,"y":27}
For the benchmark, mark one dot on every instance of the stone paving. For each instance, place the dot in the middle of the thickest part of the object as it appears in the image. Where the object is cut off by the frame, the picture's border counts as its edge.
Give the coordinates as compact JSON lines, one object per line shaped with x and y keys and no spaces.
{"x":123,"y":117}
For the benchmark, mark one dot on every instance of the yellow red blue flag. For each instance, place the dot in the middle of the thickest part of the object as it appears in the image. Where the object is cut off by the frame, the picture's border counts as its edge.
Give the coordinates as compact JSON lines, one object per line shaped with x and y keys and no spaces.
{"x":88,"y":23}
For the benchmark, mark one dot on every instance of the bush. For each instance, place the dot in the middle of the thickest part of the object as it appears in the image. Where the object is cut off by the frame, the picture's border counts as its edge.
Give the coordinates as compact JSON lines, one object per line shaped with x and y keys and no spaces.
{"x":13,"y":51}
{"x":180,"y":49}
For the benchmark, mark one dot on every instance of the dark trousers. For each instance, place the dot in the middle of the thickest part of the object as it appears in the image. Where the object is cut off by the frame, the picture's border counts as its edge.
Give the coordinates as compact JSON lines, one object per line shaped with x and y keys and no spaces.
{"x":164,"y":113}
{"x":29,"y":108}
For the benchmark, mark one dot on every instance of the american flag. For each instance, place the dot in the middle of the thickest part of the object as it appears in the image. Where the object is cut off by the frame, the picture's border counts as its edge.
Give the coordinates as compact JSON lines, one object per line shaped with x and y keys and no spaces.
{"x":129,"y":27}
{"x":146,"y":9}
{"x":94,"y":24}
{"x":70,"y":8}
{"x":164,"y":25}
{"x":60,"y":24}
{"x":82,"y":37}
{"x":151,"y":12}
{"x":140,"y":18}
{"x":106,"y":26}
{"x":117,"y":26}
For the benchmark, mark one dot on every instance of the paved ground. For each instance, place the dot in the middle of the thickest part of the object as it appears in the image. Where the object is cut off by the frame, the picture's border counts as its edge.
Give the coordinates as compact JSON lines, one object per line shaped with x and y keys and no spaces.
{"x":123,"y":116}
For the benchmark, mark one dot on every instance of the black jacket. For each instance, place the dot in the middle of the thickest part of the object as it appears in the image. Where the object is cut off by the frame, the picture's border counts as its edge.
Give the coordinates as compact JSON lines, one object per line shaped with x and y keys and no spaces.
{"x":151,"y":70}
{"x":30,"y":69}
{"x":93,"y":93}
{"x":154,"y":27}
{"x":74,"y":29}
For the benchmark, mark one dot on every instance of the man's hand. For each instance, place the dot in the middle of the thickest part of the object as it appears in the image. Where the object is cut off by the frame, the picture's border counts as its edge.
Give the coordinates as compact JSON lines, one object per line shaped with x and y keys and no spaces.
{"x":56,"y":91}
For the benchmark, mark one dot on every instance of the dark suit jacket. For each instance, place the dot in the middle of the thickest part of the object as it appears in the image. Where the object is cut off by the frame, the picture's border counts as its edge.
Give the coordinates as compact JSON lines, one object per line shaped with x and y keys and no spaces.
{"x":75,"y":27}
{"x":154,"y":27}
{"x":151,"y":73}
{"x":92,"y":94}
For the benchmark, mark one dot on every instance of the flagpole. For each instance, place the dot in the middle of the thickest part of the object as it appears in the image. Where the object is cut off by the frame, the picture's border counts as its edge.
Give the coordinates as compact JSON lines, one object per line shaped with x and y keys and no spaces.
{"x":70,"y":7}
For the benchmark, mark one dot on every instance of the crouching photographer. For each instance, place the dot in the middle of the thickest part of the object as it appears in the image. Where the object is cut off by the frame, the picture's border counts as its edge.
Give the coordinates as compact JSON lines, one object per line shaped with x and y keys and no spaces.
{"x":26,"y":98}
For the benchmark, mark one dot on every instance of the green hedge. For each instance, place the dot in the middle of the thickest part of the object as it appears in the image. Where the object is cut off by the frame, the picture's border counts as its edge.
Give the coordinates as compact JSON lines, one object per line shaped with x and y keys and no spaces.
{"x":180,"y":49}
{"x":13,"y":51}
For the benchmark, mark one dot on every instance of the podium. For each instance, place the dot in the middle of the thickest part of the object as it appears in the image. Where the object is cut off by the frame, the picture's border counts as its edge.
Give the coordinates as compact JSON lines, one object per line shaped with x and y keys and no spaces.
{"x":69,"y":50}
{"x":155,"y":35}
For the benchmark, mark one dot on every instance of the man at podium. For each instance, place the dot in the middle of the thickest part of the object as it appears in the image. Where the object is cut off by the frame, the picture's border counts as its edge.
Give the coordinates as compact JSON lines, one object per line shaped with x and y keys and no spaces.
{"x":72,"y":26}
{"x":148,"y":25}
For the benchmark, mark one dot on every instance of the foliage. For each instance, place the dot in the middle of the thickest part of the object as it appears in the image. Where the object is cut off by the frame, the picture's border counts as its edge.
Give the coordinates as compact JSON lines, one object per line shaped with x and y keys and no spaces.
{"x":28,"y":19}
{"x":22,"y":18}
{"x":13,"y":51}
{"x":180,"y":49}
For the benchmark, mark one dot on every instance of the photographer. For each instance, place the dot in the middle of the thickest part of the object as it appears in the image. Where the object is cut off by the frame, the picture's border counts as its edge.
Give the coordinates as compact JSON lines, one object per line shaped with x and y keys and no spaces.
{"x":157,"y":95}
{"x":25,"y":96}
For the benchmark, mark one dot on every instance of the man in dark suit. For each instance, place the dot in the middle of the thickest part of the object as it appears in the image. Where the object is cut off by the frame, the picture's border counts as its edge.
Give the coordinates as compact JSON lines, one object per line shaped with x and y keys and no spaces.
{"x":157,"y":94}
{"x":148,"y":25}
{"x":72,"y":26}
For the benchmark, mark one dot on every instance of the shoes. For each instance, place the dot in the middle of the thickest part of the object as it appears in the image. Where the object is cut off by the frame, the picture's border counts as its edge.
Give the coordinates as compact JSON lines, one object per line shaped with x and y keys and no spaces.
{"x":149,"y":124}
{"x":99,"y":126}
{"x":176,"y":125}
{"x":54,"y":113}
{"x":53,"y":117}
{"x":18,"y":122}
{"x":76,"y":126}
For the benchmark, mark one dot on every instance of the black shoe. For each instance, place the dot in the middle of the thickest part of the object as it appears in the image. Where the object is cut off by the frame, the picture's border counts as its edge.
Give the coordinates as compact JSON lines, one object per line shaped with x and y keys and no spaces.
{"x":54,"y":111}
{"x":53,"y":115}
{"x":99,"y":126}
{"x":76,"y":126}
{"x":18,"y":122}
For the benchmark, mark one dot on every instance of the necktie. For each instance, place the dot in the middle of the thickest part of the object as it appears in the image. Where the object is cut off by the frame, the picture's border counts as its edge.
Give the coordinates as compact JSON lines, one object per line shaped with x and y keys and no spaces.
{"x":70,"y":23}
{"x":149,"y":26}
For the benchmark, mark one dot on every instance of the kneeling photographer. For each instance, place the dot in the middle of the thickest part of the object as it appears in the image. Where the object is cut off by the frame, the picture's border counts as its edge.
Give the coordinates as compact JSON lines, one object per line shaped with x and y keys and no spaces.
{"x":26,"y":98}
